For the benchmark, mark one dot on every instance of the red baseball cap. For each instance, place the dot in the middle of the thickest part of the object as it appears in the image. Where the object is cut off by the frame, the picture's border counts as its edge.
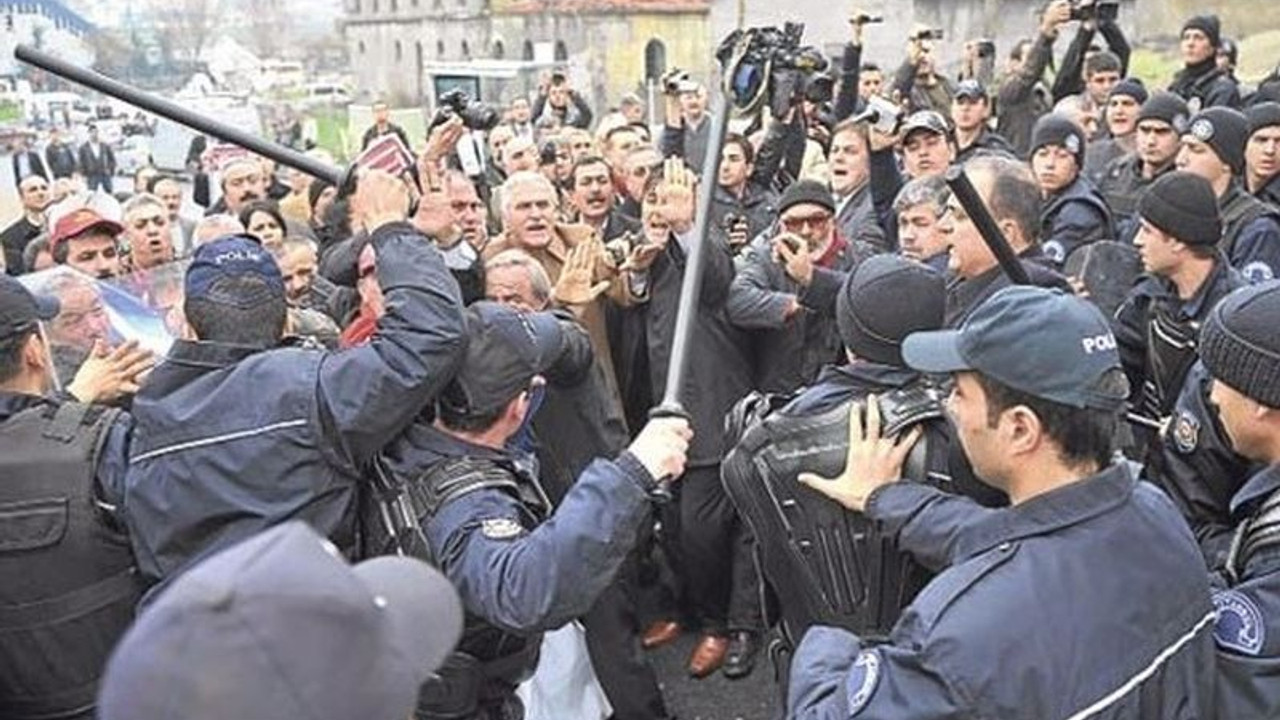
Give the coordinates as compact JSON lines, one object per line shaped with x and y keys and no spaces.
{"x":78,"y":222}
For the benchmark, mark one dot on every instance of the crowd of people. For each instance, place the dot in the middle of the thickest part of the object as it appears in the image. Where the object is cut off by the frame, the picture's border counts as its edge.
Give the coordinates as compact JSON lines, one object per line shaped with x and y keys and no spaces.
{"x":933,"y":483}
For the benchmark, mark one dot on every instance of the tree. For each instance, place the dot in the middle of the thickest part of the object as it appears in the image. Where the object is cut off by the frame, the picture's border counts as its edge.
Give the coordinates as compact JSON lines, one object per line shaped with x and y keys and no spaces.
{"x":187,"y":24}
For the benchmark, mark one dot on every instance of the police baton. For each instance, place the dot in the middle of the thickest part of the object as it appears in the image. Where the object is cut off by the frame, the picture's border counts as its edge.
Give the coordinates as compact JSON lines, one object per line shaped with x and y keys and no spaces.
{"x":691,"y":283}
{"x":977,"y":211}
{"x":342,"y":179}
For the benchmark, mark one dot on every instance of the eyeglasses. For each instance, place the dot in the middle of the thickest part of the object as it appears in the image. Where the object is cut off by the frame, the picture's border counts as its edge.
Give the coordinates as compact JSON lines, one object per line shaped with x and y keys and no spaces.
{"x":800,"y":224}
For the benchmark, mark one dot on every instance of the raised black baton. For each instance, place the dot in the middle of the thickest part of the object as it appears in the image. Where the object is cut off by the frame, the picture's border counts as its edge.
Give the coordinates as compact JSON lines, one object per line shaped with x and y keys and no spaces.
{"x":336,"y":176}
{"x":977,"y":211}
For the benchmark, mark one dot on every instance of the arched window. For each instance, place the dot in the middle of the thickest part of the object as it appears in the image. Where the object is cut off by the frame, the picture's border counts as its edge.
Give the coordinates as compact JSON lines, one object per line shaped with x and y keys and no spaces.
{"x":360,"y":47}
{"x":499,"y":50}
{"x":394,"y":6}
{"x":562,"y":51}
{"x":440,"y":48}
{"x":399,"y":51}
{"x":527,"y":52}
{"x":466,"y":50}
{"x":655,"y":59}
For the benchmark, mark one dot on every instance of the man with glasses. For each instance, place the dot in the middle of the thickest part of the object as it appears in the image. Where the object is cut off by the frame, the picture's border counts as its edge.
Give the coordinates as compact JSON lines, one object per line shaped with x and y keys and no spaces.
{"x":639,"y":165}
{"x":785,"y":290}
{"x":34,"y":192}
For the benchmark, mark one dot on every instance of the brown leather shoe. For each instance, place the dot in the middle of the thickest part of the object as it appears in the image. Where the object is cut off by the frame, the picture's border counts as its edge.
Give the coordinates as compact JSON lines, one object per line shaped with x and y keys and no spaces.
{"x":660,"y":633}
{"x":708,"y":655}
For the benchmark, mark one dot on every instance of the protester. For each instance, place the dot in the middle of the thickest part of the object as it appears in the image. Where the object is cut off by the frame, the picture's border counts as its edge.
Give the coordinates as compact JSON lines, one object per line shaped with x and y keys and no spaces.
{"x":382,"y":125}
{"x":147,"y":232}
{"x":262,"y":219}
{"x":1043,"y":430}
{"x":169,"y":190}
{"x":88,"y":242}
{"x":34,"y":193}
{"x":279,"y":626}
{"x":919,"y":207}
{"x":97,"y":161}
{"x":851,"y":185}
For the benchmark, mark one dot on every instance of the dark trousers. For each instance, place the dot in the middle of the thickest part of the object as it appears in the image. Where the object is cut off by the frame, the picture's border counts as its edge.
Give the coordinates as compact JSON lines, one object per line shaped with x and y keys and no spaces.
{"x":613,"y":641}
{"x":714,"y":555}
{"x":94,"y":182}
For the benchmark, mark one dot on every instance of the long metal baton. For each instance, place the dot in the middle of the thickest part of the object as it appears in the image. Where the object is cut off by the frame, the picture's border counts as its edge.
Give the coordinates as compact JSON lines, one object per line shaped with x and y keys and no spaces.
{"x":968,"y":198}
{"x":170,"y":110}
{"x":691,"y":283}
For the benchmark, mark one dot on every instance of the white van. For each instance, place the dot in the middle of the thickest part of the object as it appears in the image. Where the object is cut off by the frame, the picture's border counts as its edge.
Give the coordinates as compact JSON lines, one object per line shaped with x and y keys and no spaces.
{"x":326,"y":94}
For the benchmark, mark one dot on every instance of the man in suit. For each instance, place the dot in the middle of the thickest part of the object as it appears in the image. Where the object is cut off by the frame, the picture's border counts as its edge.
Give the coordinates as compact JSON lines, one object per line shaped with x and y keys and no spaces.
{"x":26,"y":162}
{"x":97,"y":162}
{"x":59,"y":157}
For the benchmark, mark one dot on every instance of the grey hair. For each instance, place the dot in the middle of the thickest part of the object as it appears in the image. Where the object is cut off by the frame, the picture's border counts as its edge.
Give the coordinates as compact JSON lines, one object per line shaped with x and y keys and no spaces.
{"x":216,"y":226}
{"x":1014,"y":194}
{"x":142,"y":200}
{"x":930,"y":190}
{"x":294,"y":242}
{"x":538,"y":277}
{"x":524,"y":177}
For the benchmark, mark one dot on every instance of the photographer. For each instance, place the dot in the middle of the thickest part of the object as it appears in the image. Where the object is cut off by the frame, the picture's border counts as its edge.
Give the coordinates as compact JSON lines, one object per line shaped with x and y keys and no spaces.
{"x":686,"y":131}
{"x":917,"y":80}
{"x":743,"y":203}
{"x":1084,"y":68}
{"x":557,"y":99}
{"x":857,"y":81}
{"x":1022,"y":97}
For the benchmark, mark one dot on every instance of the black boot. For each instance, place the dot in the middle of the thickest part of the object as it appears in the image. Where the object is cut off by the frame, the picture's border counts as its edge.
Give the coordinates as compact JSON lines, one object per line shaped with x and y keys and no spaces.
{"x":741,"y":656}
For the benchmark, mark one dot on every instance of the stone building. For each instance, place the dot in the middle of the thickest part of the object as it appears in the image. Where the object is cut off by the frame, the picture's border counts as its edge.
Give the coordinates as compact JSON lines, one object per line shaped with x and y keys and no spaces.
{"x":399,"y":47}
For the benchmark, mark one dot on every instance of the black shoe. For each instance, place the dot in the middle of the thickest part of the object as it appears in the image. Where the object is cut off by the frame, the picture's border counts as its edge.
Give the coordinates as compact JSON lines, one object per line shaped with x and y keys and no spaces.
{"x":740,"y":660}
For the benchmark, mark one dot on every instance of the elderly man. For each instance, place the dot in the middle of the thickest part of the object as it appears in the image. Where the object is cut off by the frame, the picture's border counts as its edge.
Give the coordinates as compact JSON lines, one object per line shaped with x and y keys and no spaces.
{"x":147,"y":231}
{"x":573,"y":256}
{"x":242,"y":182}
{"x":785,"y":290}
{"x":1009,"y":189}
{"x":86,"y":241}
{"x":34,"y":192}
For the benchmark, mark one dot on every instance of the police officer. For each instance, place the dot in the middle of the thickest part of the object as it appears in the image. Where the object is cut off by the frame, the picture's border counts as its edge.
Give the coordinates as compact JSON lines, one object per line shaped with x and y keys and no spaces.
{"x":1262,"y":154}
{"x":1214,"y":148}
{"x":1161,"y":121}
{"x":1241,"y":352}
{"x":1036,"y":404}
{"x":236,"y":432}
{"x":68,"y":584}
{"x":519,"y":568}
{"x":857,"y":580}
{"x":1074,"y":213}
{"x":1201,"y":82}
{"x":1157,"y":325}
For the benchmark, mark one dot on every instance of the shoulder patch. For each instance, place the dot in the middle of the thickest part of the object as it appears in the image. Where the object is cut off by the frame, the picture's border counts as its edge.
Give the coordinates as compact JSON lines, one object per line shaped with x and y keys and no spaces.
{"x":1239,"y":626}
{"x":501,"y":528}
{"x":1186,"y":432}
{"x":1054,"y":251}
{"x":1256,"y":272}
{"x":862,"y":680}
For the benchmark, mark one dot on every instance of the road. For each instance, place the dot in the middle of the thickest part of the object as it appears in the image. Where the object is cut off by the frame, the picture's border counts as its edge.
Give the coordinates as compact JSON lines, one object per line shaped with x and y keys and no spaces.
{"x":754,"y":697}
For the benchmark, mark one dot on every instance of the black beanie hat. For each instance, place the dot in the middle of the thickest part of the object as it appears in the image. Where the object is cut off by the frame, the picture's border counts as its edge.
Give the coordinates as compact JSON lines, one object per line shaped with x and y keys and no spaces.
{"x":1168,"y":108}
{"x":1183,"y":205}
{"x":1226,"y":130}
{"x":885,"y":299}
{"x":807,"y":191}
{"x":1239,"y":343}
{"x":1264,"y":114}
{"x":1130,"y":87}
{"x":1207,"y":24}
{"x":1055,"y":129}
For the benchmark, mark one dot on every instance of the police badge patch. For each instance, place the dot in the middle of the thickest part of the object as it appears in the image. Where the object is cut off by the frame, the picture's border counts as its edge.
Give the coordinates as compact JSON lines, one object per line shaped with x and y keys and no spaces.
{"x":862,"y":681}
{"x":1256,"y":272}
{"x":1202,"y":130}
{"x":500,"y":528}
{"x":1239,"y":625}
{"x":1186,"y":432}
{"x":1054,"y":250}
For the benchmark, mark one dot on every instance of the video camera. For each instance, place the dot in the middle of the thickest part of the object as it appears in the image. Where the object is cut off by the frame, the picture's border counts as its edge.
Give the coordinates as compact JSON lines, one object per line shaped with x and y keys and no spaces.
{"x":926,"y":34}
{"x":1101,"y":10}
{"x":475,"y":115}
{"x":769,"y":65}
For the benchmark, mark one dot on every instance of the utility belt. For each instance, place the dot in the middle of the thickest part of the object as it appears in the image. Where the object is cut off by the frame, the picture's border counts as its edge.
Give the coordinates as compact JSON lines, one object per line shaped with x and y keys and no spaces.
{"x":466,"y":688}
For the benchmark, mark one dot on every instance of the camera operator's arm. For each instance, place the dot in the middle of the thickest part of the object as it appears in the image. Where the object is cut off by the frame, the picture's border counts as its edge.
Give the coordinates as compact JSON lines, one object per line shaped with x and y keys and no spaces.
{"x":780,"y":135}
{"x":585,"y":116}
{"x":850,"y":74}
{"x":671,"y":143}
{"x":1118,"y":43}
{"x":904,"y":80}
{"x":1017,"y":88}
{"x":1070,"y":78}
